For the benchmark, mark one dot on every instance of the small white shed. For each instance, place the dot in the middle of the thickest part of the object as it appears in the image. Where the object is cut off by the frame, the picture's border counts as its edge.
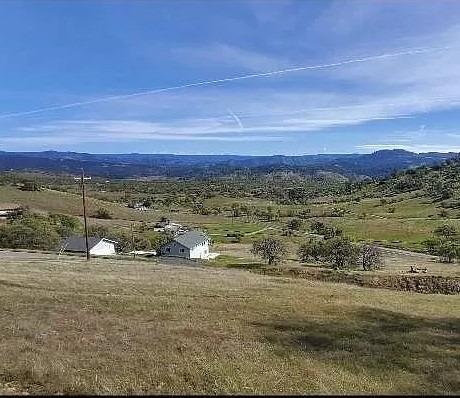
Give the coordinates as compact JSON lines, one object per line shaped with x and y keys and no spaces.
{"x":97,"y":246}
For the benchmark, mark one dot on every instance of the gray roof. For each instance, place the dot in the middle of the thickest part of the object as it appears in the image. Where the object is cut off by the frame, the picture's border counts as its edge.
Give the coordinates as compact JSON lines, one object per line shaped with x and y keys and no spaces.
{"x":78,"y":244}
{"x":190,"y":239}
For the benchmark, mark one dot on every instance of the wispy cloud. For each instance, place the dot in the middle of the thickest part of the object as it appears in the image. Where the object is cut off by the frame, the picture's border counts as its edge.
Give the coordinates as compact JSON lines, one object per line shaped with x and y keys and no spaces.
{"x":236,"y":118}
{"x":225,"y":55}
{"x":409,"y":52}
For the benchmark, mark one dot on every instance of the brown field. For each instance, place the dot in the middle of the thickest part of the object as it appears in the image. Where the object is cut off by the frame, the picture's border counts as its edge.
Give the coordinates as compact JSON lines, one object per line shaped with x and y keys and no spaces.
{"x":121,"y":326}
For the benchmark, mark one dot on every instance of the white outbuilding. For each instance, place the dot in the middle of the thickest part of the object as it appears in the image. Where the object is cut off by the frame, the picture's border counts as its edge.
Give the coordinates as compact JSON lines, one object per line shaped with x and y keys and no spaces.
{"x":97,"y":246}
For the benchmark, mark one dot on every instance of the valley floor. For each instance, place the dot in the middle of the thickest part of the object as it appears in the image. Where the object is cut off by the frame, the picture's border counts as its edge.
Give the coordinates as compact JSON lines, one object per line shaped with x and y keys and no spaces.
{"x":123,"y":326}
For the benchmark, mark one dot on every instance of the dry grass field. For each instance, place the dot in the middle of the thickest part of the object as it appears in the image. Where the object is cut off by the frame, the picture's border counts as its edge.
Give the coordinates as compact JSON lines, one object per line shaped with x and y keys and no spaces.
{"x":126,"y":326}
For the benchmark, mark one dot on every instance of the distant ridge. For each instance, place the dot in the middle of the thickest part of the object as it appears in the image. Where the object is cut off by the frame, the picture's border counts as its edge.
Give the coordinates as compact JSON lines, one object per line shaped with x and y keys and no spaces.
{"x":378,"y":164}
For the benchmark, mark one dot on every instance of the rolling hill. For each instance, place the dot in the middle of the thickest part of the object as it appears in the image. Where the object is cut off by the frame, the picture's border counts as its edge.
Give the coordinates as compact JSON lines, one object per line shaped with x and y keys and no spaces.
{"x":377,"y":164}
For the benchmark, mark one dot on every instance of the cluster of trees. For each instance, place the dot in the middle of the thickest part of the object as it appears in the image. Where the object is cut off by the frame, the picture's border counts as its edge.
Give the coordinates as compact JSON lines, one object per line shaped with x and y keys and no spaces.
{"x":45,"y":232}
{"x":341,"y":253}
{"x":278,"y":186}
{"x":445,"y":243}
{"x":439,"y":182}
{"x":338,"y":252}
{"x":328,"y":231}
{"x":36,"y":231}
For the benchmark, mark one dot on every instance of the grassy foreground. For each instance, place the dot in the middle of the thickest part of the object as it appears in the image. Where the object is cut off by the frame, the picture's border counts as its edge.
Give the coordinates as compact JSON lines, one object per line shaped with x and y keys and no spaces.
{"x":139,"y":327}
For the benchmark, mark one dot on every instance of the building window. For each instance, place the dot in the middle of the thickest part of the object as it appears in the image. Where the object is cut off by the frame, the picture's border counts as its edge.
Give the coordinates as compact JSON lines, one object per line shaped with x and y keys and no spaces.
{"x":182,"y":250}
{"x":168,"y":250}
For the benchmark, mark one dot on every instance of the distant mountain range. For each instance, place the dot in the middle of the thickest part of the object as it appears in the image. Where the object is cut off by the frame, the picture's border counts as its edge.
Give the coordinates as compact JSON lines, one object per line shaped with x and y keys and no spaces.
{"x":378,"y":164}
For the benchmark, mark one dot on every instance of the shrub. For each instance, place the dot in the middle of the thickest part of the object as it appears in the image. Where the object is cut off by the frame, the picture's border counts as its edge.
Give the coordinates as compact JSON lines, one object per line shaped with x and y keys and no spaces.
{"x":443,"y":213}
{"x":102,"y":213}
{"x":295,"y":224}
{"x":446,"y":231}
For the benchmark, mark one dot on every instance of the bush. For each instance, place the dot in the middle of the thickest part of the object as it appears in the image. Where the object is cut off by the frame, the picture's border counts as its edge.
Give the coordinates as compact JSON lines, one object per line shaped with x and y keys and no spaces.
{"x":102,"y":213}
{"x":295,"y":224}
{"x":65,"y":225}
{"x":443,"y":213}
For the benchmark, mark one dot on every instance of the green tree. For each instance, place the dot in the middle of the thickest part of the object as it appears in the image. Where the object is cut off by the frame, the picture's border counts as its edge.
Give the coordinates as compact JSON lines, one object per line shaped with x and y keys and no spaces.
{"x":340,"y":253}
{"x":269,"y":249}
{"x":370,"y":257}
{"x":446,"y":231}
{"x":312,"y":250}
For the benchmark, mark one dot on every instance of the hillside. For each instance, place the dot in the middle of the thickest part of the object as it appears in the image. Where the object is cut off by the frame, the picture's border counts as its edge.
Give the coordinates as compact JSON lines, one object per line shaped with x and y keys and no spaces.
{"x":380,"y":163}
{"x":132,"y":327}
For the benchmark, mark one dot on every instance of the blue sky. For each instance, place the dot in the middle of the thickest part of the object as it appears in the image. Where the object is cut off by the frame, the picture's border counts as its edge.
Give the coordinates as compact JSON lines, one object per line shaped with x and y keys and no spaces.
{"x":373,"y":75}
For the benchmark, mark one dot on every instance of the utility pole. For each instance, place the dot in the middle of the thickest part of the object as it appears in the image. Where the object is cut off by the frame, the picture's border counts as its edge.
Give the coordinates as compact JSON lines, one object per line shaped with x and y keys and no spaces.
{"x":133,"y":245}
{"x":82,"y":182}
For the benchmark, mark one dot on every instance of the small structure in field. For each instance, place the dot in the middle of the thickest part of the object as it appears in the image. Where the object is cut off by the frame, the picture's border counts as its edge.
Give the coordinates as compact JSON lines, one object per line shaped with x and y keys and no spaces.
{"x":168,"y":226}
{"x":8,"y":210}
{"x":97,"y":246}
{"x":140,"y":206}
{"x":190,"y":244}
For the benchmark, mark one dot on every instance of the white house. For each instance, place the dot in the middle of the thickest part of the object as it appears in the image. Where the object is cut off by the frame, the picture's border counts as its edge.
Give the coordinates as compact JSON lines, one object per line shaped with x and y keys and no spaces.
{"x":97,"y":246}
{"x":189,"y":244}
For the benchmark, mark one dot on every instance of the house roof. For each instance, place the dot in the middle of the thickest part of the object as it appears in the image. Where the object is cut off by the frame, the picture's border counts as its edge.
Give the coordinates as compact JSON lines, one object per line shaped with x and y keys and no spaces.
{"x":78,"y":244}
{"x":190,"y":239}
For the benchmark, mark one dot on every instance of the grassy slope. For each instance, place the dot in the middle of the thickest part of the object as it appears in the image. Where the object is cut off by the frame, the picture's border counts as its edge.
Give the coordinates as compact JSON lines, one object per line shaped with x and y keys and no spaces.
{"x":67,"y":203}
{"x":413,"y":220}
{"x":130,"y":327}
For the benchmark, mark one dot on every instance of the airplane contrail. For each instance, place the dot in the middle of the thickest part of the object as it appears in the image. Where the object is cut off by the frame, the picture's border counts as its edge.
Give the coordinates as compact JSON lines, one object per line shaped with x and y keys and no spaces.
{"x":224,"y":80}
{"x":236,"y":118}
